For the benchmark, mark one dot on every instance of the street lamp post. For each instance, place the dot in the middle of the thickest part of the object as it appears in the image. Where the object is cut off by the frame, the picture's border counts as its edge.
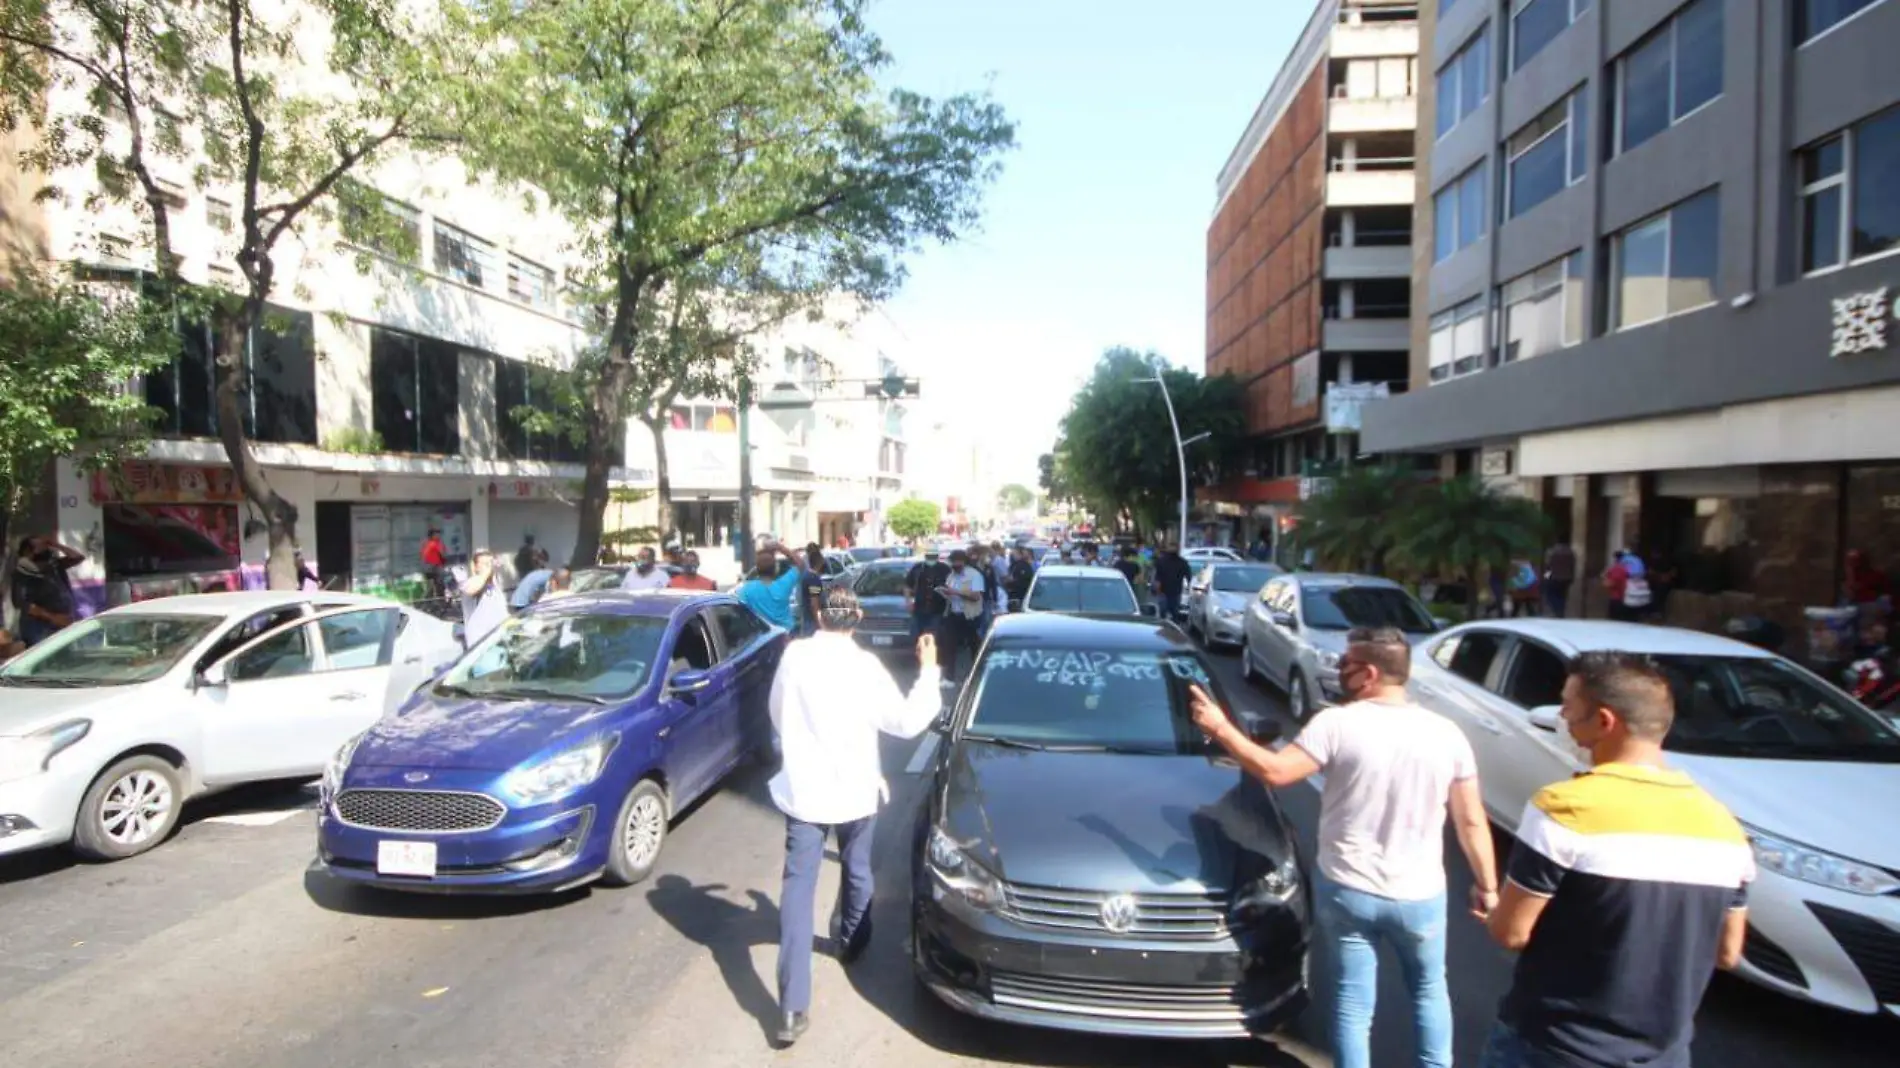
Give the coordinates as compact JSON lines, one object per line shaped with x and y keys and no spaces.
{"x":1180,"y":454}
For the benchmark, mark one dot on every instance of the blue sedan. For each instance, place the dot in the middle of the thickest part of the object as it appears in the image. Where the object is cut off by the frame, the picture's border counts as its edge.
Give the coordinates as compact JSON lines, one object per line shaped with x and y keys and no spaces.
{"x":557,"y":750}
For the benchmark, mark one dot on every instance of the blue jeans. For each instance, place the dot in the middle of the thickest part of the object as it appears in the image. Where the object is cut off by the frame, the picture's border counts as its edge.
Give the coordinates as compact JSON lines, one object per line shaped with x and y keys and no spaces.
{"x":922,"y":623}
{"x":1355,"y":923}
{"x":1508,"y":1049}
{"x":804,"y":855}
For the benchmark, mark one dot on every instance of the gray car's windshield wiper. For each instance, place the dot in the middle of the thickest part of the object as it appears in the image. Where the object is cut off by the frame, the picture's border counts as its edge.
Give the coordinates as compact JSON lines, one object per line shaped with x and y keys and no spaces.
{"x":1007,"y":743}
{"x":56,"y":683}
{"x":1132,"y":750}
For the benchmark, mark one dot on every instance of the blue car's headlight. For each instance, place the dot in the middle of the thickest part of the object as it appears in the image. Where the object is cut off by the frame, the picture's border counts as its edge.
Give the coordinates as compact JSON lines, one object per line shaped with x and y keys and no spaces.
{"x":561,"y":774}
{"x":339,"y":764}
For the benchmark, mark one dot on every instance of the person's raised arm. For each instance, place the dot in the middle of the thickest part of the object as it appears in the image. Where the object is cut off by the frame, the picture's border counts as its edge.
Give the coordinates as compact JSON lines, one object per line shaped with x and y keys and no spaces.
{"x":908,"y":715}
{"x":1282,"y":767}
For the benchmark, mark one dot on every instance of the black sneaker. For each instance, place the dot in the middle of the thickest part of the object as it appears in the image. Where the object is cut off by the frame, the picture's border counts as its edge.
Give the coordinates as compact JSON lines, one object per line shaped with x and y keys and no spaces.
{"x":790,"y":1026}
{"x":849,"y":951}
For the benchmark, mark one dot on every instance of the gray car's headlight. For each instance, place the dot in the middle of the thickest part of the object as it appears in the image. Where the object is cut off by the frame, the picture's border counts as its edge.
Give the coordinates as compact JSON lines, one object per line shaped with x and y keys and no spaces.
{"x":1810,"y":865}
{"x":561,"y":774}
{"x":1225,"y":612}
{"x":27,"y":755}
{"x":1328,"y":660}
{"x":339,"y":764}
{"x":957,"y":873}
{"x":1276,"y":889}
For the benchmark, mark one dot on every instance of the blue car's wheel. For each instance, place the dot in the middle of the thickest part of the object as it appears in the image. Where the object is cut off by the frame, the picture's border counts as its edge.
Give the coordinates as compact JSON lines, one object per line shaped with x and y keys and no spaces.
{"x":637,"y":835}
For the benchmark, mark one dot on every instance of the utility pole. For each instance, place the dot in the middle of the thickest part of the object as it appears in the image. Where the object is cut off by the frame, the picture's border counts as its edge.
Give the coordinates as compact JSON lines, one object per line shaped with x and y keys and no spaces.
{"x":742,"y":528}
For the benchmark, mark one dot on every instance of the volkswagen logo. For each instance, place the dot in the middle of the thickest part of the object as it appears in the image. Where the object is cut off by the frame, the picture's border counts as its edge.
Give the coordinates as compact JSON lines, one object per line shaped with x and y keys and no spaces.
{"x":415,"y":776}
{"x":1118,"y":913}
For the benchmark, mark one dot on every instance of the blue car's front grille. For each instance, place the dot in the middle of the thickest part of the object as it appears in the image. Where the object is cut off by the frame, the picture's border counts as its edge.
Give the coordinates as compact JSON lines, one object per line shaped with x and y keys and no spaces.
{"x":430,"y":811}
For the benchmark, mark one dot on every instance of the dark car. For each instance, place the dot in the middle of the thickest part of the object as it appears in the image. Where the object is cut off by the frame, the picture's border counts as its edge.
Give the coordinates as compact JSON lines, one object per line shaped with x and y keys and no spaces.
{"x":557,"y":750}
{"x":880,"y":589}
{"x":1086,"y":861}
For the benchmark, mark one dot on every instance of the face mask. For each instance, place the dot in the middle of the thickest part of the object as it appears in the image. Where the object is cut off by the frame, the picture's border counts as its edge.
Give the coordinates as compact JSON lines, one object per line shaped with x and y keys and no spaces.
{"x":646,"y":566}
{"x":691,"y":569}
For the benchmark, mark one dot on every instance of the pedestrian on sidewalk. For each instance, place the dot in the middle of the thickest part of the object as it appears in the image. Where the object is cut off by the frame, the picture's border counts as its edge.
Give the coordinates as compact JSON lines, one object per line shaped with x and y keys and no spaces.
{"x":1392,"y":769}
{"x":1560,"y":570}
{"x":43,"y":587}
{"x":830,"y":700}
{"x":1626,"y":890}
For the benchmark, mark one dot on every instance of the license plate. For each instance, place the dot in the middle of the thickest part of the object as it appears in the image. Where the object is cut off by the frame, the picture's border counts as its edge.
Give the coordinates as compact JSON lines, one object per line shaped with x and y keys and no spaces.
{"x":880,"y":639}
{"x":406,"y":858}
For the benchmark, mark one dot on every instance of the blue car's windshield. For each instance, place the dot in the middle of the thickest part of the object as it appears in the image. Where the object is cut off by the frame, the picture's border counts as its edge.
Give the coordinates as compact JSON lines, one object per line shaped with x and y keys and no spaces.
{"x":560,"y":657}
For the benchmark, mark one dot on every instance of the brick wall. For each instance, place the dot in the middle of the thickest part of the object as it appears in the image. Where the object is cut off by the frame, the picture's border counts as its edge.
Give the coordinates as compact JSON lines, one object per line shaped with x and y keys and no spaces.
{"x":1264,"y":256}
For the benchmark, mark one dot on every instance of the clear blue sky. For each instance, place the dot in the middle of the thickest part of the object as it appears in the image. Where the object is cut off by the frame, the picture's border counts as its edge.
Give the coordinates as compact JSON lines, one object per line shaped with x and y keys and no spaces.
{"x":1096,"y":233}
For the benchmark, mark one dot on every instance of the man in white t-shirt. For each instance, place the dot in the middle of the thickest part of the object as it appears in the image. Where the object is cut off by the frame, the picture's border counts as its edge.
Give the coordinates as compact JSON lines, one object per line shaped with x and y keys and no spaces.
{"x":645,"y":574}
{"x":964,"y":592}
{"x":1392,"y":769}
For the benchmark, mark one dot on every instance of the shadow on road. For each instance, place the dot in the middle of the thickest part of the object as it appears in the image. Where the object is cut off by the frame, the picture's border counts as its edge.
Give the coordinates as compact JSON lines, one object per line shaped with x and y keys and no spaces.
{"x":729,"y":930}
{"x":338,"y":895}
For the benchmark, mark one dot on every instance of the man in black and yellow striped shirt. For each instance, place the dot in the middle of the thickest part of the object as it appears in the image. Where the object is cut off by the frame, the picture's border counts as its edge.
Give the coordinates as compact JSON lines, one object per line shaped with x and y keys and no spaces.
{"x":1626,"y":891}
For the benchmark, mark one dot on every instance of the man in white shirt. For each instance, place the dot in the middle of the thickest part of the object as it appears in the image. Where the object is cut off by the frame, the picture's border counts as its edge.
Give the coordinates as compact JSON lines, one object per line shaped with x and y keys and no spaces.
{"x":830,"y":701}
{"x":963,"y":621}
{"x":644,"y":575}
{"x":1392,"y":768}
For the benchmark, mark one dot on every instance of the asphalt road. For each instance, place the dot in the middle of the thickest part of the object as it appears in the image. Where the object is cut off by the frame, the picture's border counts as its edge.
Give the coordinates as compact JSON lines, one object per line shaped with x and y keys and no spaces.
{"x":220,"y":951}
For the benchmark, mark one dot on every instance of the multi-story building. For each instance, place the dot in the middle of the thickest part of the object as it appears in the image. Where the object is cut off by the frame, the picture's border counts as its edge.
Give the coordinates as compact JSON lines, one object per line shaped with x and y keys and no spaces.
{"x":1308,"y":254}
{"x":1660,"y":286}
{"x":385,"y":391}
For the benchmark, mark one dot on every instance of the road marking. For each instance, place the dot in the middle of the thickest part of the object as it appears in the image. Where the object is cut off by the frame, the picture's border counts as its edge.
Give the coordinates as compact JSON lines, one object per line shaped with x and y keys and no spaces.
{"x":925,"y":751}
{"x":257,"y":819}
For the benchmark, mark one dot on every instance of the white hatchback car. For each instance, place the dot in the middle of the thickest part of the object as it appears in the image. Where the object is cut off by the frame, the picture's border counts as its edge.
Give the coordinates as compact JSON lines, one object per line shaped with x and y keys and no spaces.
{"x":1813,"y":776}
{"x":109,"y":726}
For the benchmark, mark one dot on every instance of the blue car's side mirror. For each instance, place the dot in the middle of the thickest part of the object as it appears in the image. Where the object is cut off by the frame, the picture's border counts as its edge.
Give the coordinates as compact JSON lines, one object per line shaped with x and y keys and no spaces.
{"x":688,"y":682}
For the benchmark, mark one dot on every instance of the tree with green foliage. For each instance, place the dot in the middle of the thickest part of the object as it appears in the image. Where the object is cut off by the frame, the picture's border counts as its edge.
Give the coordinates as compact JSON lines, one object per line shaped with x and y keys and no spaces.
{"x":1015,"y":497}
{"x":730,"y":157}
{"x":914,"y":518}
{"x":233,"y":89}
{"x":1349,"y":520}
{"x":69,"y":352}
{"x":1116,"y":452}
{"x":1461,"y":527}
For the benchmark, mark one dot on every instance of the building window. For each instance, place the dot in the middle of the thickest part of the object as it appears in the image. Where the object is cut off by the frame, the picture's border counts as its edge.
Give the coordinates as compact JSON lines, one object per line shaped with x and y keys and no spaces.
{"x":218,"y":215}
{"x":463,"y":256}
{"x":1546,"y":156}
{"x":374,"y":221}
{"x":1542,"y":310}
{"x":115,"y":251}
{"x":521,"y":385}
{"x":1850,"y":204}
{"x":709,"y":418}
{"x":1815,"y":17}
{"x":1464,"y":81}
{"x":280,"y":404}
{"x":415,"y":392}
{"x":1665,"y":265}
{"x":1457,"y":340}
{"x":1670,"y":74}
{"x":1458,"y":214}
{"x":530,"y":283}
{"x":1536,"y":23}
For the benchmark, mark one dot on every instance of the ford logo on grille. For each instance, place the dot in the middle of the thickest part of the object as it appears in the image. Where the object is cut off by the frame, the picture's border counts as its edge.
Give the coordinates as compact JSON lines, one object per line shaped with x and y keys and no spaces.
{"x":415,"y":776}
{"x":1118,"y":913}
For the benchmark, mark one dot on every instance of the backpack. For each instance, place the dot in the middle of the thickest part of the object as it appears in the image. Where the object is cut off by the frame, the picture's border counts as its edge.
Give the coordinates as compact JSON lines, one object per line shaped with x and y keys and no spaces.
{"x":1636,"y":592}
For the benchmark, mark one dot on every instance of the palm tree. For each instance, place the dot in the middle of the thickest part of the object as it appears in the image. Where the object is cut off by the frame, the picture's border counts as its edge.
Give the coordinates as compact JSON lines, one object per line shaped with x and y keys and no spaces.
{"x":1350,"y":525}
{"x":1460,"y":527}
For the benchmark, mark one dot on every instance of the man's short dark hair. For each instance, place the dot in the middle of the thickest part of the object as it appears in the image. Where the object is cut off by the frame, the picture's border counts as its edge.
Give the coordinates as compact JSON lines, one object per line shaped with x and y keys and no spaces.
{"x":1384,"y":648}
{"x":958,"y":556}
{"x":1631,"y":686}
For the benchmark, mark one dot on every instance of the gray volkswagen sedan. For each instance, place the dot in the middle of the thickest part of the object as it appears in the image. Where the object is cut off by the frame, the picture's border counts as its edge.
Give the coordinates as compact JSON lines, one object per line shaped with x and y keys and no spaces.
{"x":1086,"y":861}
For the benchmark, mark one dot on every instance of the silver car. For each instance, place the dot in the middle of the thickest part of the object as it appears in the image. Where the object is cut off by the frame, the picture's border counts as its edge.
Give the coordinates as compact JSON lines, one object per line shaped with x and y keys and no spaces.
{"x":1217,"y":600}
{"x":1296,"y":629}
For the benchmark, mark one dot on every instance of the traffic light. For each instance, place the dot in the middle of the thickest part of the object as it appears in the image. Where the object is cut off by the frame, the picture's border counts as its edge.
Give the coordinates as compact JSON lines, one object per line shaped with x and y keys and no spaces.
{"x":893,"y":386}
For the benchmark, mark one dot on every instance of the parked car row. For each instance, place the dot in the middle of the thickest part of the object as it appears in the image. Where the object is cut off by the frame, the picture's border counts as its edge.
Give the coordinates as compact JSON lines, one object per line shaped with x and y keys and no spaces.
{"x":1800,"y":763}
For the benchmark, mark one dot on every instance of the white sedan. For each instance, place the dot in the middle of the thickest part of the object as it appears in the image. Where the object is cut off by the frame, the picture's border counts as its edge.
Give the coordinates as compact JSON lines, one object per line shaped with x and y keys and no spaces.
{"x":1813,"y":776}
{"x":109,"y":726}
{"x":1208,"y":554}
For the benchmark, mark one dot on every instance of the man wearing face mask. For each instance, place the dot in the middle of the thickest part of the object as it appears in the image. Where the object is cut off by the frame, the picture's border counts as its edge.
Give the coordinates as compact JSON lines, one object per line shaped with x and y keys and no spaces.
{"x":1628,"y":887}
{"x":689,"y":577}
{"x":42,"y":590}
{"x":645,"y":573}
{"x":1392,"y":769}
{"x":962,"y":624}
